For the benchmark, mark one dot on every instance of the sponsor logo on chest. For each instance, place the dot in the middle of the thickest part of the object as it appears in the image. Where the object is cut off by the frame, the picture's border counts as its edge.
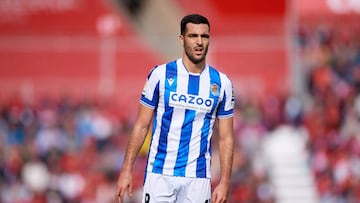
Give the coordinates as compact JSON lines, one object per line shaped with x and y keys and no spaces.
{"x":191,"y":102}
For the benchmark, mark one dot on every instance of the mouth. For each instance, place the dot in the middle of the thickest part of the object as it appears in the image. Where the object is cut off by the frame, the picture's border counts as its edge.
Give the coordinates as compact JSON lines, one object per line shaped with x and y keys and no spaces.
{"x":198,"y":50}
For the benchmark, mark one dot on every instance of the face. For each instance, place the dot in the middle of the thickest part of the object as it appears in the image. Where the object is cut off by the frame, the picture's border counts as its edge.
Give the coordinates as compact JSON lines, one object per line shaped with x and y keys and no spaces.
{"x":195,"y":42}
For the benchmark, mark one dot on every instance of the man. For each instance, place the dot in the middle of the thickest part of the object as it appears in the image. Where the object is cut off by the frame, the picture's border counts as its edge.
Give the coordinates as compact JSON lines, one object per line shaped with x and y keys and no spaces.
{"x":183,"y":97}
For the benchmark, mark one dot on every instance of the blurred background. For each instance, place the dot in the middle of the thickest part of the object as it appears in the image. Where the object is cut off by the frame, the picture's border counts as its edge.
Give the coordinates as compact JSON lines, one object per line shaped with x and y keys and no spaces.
{"x":71,"y":74}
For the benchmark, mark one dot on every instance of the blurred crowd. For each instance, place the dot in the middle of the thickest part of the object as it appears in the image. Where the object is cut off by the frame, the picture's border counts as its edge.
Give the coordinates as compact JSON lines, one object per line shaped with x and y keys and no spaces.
{"x":331,"y":60}
{"x":59,"y":151}
{"x":67,"y":150}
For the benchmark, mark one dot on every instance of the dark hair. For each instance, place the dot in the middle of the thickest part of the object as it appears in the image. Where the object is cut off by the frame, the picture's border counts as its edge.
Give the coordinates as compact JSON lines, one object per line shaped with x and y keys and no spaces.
{"x":192,"y":18}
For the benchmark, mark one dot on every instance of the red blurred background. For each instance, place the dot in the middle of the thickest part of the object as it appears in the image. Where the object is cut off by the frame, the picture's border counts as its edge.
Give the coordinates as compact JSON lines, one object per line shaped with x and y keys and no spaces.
{"x":71,"y":73}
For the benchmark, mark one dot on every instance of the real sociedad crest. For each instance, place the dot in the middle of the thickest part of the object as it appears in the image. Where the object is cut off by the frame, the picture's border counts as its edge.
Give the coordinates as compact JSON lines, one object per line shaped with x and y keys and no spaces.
{"x":215,"y":89}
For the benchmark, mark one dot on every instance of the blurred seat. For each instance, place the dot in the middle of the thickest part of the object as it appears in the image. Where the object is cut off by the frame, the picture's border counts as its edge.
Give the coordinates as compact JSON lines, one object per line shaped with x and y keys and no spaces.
{"x":80,"y":48}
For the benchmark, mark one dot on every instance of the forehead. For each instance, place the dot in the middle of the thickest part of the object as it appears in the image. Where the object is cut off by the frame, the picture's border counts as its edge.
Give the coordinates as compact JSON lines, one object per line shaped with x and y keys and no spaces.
{"x":196,"y":28}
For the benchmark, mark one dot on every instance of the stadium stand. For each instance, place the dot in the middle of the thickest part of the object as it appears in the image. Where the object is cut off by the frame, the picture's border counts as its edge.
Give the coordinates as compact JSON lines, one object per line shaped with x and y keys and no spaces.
{"x":60,"y":142}
{"x":72,"y":47}
{"x":249,"y":42}
{"x":328,"y":37}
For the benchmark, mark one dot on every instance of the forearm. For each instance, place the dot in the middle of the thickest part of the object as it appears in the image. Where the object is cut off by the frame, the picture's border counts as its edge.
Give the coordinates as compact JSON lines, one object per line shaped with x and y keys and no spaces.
{"x":137,"y":139}
{"x":226,"y":148}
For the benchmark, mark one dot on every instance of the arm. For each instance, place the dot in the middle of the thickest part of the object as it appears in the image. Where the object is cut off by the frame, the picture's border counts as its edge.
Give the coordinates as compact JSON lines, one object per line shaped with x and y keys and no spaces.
{"x":226,"y":148}
{"x":137,"y":138}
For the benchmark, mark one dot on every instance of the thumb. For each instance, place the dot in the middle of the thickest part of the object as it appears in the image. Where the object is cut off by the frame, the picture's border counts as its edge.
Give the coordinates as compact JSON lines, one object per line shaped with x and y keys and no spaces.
{"x":130,"y":191}
{"x":214,"y":197}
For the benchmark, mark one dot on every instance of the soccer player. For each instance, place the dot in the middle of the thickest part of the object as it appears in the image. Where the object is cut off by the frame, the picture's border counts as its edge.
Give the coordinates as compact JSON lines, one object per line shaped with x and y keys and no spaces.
{"x":184,"y":98}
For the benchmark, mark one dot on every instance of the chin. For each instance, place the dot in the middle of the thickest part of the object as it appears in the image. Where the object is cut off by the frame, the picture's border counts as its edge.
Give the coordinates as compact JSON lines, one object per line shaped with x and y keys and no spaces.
{"x":195,"y":61}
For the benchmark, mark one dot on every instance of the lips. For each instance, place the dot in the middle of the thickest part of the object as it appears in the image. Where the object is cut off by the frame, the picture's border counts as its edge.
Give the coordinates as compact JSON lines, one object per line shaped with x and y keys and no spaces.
{"x":198,"y":50}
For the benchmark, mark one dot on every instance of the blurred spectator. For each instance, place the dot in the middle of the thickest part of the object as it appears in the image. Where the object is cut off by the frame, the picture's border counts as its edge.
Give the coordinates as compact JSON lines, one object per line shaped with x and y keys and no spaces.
{"x":71,"y":152}
{"x":65,"y":150}
{"x":132,"y":6}
{"x":330,"y":57}
{"x":45,"y":159}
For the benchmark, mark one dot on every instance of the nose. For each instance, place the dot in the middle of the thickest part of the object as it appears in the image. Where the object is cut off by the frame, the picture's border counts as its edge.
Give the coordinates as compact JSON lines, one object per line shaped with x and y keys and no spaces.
{"x":199,"y":40}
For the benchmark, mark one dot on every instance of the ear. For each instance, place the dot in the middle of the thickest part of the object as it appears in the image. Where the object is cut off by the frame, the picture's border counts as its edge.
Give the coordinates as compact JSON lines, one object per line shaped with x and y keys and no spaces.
{"x":181,"y":38}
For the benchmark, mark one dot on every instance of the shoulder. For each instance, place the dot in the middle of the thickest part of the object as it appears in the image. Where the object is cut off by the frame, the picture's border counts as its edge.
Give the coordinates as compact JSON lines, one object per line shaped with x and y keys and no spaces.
{"x":223,"y":77}
{"x":158,"y":69}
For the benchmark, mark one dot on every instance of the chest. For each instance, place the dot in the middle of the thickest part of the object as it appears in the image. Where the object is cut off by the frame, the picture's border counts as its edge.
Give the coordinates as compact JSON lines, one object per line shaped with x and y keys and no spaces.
{"x":190,"y":92}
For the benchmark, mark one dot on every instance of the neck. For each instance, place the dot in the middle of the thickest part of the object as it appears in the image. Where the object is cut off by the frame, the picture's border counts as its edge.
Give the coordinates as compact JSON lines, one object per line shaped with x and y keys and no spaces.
{"x":192,"y":67}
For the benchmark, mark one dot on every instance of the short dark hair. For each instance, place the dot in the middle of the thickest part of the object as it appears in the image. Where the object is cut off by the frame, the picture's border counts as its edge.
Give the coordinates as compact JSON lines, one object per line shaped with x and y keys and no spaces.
{"x":192,"y":18}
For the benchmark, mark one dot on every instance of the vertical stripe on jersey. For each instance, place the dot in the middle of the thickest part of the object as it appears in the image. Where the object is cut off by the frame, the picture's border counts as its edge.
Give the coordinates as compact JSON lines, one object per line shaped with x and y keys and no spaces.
{"x":171,"y":74}
{"x":186,"y":130}
{"x":201,"y":162}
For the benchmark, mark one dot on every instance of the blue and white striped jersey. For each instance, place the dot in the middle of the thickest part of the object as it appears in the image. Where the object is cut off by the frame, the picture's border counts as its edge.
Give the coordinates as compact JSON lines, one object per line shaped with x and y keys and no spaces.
{"x":185,"y":107}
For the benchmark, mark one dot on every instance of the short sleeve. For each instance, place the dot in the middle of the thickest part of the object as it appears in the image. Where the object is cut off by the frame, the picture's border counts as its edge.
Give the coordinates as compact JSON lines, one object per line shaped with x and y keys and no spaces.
{"x":150,"y":92}
{"x":226,"y":106}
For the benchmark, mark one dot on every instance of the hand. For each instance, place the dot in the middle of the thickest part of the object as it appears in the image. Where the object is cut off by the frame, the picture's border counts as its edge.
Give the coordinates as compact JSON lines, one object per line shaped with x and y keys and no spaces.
{"x":124,"y":184}
{"x":220,"y":194}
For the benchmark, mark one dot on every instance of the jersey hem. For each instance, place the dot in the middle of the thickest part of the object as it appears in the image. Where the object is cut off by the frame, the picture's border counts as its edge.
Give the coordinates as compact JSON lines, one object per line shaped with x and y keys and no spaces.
{"x":172,"y":175}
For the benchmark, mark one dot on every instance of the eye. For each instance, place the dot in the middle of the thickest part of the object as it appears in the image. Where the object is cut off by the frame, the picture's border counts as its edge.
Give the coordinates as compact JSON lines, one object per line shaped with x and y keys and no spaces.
{"x":205,"y":36}
{"x":192,"y":35}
